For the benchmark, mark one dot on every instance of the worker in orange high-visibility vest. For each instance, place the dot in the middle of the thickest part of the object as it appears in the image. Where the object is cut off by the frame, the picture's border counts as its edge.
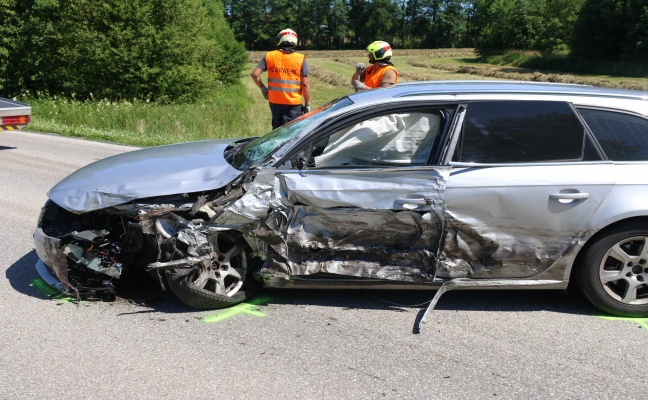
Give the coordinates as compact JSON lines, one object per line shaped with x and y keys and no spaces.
{"x":381,"y":72}
{"x":287,"y":80}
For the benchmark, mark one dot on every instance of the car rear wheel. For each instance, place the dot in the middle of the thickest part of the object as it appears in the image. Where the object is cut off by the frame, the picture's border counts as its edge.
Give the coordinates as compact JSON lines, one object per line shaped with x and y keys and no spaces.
{"x":613,"y":272}
{"x":219,"y":283}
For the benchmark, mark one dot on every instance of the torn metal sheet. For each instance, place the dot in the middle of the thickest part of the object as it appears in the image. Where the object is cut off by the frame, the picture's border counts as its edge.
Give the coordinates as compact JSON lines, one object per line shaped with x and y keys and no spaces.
{"x":464,"y":283}
{"x":49,"y":251}
{"x":475,"y":250}
{"x":353,"y":242}
{"x":384,"y":225}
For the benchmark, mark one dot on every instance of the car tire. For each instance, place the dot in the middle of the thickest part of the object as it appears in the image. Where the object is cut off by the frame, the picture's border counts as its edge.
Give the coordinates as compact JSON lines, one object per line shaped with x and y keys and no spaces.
{"x":613,"y":271}
{"x":201,"y":287}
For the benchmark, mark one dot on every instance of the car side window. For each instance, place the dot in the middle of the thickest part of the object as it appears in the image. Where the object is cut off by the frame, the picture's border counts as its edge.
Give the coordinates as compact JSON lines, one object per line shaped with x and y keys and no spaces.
{"x":521,"y":132}
{"x":390,"y":139}
{"x":623,"y":137}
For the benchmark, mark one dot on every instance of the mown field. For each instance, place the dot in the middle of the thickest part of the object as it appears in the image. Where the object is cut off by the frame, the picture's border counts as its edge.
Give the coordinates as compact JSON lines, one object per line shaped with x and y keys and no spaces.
{"x":242,"y":111}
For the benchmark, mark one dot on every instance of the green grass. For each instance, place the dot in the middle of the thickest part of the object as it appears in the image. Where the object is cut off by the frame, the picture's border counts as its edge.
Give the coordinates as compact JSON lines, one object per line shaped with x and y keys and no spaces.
{"x":240,"y":110}
{"x":144,"y":124}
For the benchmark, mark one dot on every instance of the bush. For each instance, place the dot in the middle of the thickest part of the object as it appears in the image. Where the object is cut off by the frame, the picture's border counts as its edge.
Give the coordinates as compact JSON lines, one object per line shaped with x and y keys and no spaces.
{"x":7,"y":33}
{"x":158,"y":50}
{"x":612,"y":30}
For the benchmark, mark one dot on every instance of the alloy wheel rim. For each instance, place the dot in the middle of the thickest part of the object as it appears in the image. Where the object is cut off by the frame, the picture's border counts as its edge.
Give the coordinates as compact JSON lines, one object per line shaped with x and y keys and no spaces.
{"x":623,"y":272}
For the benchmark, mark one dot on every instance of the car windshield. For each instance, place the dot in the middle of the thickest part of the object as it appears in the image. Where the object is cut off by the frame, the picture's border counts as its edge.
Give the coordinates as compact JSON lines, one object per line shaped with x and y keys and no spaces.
{"x":261,"y":148}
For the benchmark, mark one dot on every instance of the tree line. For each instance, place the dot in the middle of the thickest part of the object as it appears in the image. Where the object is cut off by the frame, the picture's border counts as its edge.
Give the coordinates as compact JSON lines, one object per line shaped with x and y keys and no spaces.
{"x":610,"y":29}
{"x":183,"y":50}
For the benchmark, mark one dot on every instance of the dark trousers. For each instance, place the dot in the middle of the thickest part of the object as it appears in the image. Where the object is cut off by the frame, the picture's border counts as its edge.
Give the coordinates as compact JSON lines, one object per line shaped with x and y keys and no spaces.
{"x":282,"y":113}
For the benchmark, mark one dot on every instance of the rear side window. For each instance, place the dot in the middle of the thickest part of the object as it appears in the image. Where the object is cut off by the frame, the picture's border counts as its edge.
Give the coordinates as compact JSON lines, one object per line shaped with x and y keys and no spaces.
{"x":622,"y":137}
{"x":520,"y":132}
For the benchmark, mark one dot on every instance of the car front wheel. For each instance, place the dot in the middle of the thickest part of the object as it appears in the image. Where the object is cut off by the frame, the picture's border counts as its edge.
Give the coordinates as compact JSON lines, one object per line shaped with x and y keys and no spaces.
{"x":221,"y":282}
{"x":613,"y":272}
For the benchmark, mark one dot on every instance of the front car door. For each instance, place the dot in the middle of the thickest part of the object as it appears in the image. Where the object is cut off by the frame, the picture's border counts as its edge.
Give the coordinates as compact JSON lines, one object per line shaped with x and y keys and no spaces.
{"x":361,"y":200}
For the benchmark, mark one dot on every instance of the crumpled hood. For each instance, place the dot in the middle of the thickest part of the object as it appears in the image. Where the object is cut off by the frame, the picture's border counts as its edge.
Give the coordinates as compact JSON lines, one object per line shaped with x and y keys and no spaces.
{"x":156,"y":171}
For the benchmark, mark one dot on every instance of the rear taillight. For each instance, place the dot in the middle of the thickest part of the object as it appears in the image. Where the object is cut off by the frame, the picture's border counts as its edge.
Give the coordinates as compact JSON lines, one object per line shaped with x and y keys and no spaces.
{"x":16,"y":120}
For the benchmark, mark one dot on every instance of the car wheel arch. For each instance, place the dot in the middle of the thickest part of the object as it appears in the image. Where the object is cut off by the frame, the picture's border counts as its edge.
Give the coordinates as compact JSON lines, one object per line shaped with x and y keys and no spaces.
{"x":603,"y":231}
{"x":606,"y":295}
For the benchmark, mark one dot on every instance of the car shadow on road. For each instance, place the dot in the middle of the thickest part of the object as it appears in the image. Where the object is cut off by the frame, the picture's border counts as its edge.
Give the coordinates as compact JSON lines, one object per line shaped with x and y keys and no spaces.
{"x":553,"y":301}
{"x":469,"y":300}
{"x":21,"y":273}
{"x":142,"y":290}
{"x":7,"y":148}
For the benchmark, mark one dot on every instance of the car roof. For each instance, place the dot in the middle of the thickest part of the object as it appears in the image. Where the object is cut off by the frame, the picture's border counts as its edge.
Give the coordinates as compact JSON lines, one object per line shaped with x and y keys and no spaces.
{"x":481,"y":87}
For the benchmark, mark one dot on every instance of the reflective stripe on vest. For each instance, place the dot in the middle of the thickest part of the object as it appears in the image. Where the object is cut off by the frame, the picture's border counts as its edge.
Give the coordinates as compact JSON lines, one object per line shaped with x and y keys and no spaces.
{"x":284,"y":77}
{"x":374,"y":75}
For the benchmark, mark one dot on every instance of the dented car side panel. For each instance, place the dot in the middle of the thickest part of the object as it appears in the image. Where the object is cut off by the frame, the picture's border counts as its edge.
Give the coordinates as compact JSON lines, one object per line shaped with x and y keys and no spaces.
{"x":382,"y":223}
{"x":526,"y":219}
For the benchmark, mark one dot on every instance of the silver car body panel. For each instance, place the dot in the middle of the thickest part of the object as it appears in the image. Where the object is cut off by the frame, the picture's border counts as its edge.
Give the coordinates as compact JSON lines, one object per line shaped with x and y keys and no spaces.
{"x":156,"y":171}
{"x":526,"y":219}
{"x":529,"y":224}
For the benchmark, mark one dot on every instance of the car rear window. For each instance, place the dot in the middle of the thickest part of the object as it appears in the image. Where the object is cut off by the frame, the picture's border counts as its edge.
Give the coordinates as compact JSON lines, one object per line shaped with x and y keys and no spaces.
{"x":520,"y":132}
{"x":623,"y":137}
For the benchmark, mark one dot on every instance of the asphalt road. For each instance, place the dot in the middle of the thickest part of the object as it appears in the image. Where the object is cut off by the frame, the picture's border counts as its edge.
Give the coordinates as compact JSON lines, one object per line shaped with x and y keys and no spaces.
{"x":290,"y":344}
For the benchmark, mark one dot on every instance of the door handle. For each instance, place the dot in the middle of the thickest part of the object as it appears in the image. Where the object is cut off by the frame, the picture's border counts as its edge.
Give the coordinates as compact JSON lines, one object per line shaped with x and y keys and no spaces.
{"x":569,"y":196}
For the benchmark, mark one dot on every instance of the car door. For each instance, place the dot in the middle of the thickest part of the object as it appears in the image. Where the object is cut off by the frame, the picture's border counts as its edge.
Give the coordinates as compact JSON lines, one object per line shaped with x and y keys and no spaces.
{"x":525,"y":180}
{"x":364,"y":202}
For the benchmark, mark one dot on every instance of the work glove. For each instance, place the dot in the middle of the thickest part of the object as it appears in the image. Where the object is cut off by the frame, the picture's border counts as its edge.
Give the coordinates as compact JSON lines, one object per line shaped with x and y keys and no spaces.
{"x":359,"y":85}
{"x":306,"y":109}
{"x":264,"y":90}
{"x":360,"y":67}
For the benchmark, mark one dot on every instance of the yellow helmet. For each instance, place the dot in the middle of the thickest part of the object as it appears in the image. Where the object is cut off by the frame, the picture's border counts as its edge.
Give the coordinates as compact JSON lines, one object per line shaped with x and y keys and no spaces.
{"x":380,"y":50}
{"x":287,"y":36}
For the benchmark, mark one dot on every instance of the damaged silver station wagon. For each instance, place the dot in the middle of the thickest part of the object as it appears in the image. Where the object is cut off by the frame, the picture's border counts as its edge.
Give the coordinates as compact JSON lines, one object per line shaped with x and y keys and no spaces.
{"x":439,"y":185}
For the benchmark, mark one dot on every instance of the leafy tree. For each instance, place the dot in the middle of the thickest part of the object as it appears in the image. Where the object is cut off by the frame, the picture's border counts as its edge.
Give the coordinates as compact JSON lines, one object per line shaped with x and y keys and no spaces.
{"x":598,"y":32}
{"x":7,"y":36}
{"x":248,"y":19}
{"x":637,"y":40}
{"x":544,"y":25}
{"x":231,"y":57}
{"x":380,"y":25}
{"x":125,"y":49}
{"x":330,"y":25}
{"x":358,"y":19}
{"x":453,"y":31}
{"x":285,"y":14}
{"x":612,"y":29}
{"x":443,"y":24}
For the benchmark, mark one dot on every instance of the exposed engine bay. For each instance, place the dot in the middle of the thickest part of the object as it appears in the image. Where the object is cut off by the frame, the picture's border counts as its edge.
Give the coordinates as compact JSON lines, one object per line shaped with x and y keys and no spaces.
{"x":88,"y":252}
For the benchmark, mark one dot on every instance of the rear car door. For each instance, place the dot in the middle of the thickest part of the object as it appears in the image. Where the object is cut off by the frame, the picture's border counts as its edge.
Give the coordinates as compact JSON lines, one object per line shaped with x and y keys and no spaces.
{"x":525,"y":179}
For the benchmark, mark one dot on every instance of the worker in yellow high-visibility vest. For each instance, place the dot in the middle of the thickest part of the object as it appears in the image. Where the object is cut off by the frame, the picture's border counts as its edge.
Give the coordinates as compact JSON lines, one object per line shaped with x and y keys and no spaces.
{"x":287,"y":80}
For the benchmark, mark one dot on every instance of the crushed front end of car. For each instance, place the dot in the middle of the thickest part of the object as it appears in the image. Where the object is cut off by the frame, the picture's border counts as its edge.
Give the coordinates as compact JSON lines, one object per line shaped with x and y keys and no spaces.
{"x":122,"y":216}
{"x":171,"y":239}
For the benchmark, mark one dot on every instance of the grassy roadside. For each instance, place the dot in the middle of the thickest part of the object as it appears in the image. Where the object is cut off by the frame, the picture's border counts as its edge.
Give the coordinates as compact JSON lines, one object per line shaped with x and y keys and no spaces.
{"x":241,"y":111}
{"x":143,"y":124}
